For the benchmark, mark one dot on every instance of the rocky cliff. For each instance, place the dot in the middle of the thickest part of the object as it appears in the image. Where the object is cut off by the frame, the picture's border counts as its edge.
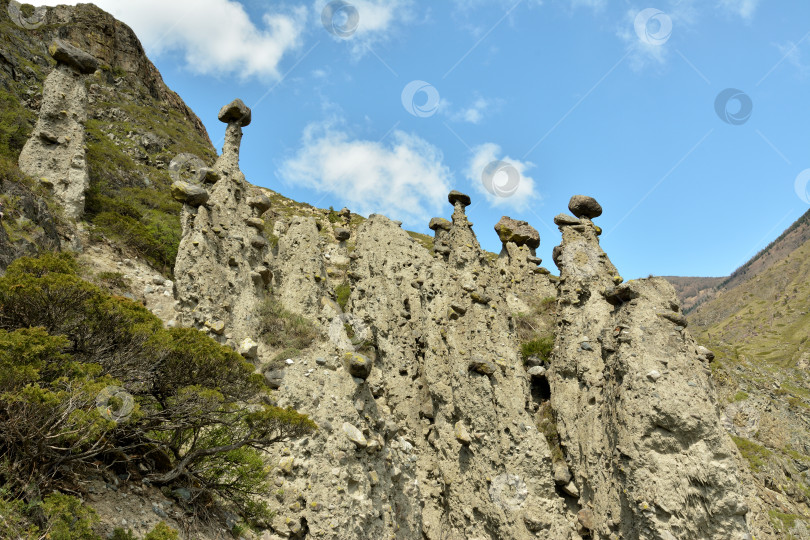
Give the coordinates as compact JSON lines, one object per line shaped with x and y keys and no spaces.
{"x":441,"y":415}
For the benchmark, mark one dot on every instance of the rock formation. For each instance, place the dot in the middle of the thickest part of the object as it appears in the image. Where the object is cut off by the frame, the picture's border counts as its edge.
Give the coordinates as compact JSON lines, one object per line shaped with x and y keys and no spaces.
{"x":222,"y":271}
{"x":428,"y":416}
{"x":55,"y":153}
{"x":634,"y":404}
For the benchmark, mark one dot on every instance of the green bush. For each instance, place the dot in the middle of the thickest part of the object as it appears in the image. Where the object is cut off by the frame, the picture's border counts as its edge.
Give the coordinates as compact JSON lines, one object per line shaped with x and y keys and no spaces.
{"x":537,"y":347}
{"x":68,"y":518}
{"x":121,"y":534}
{"x":283,"y":329}
{"x":161,"y":531}
{"x":16,"y":123}
{"x":197,"y":417}
{"x":342,"y":293}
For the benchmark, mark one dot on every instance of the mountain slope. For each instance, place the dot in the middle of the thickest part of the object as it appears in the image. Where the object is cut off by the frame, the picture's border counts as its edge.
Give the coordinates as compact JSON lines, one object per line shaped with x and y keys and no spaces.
{"x":758,"y":323}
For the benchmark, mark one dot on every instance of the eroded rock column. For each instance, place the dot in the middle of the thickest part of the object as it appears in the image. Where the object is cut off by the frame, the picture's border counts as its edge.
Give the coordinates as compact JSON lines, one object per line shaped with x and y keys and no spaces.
{"x":634,"y":404}
{"x":223,"y":268}
{"x":55,"y":153}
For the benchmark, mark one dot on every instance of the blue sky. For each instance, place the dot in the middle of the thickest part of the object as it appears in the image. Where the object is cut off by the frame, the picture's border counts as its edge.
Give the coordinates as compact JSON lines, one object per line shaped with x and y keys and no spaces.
{"x":614,"y":99}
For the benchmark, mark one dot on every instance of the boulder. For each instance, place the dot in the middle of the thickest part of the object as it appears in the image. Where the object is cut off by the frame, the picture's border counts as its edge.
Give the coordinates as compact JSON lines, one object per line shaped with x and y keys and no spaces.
{"x":189,"y":194}
{"x":342,"y":234}
{"x":357,"y":365}
{"x":458,"y":197}
{"x":484,"y":367}
{"x":65,"y":53}
{"x":461,"y":433}
{"x":274,"y":378}
{"x":249,"y":348}
{"x":584,"y":206}
{"x":355,"y":435}
{"x":235,"y":111}
{"x":260,"y":202}
{"x":517,"y":232}
{"x":562,"y":220}
{"x":561,"y":474}
{"x":439,"y":223}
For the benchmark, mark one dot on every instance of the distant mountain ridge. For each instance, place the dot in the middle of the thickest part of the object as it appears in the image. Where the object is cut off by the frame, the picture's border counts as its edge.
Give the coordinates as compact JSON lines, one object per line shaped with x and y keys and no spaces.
{"x":694,"y":291}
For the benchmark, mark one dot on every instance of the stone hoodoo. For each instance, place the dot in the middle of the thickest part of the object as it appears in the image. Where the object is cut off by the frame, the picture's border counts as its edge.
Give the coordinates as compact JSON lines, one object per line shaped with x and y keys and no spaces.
{"x":517,"y":261}
{"x":223,"y":264}
{"x":634,"y":403}
{"x":55,"y":153}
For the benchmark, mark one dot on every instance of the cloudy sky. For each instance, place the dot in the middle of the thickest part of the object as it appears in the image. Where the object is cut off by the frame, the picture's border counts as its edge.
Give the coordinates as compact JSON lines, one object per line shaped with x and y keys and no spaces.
{"x":688,"y":120}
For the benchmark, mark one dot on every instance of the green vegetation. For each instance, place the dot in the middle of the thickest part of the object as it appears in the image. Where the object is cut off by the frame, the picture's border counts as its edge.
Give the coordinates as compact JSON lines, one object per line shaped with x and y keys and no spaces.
{"x":86,"y":377}
{"x":285,"y":330}
{"x":740,"y":396}
{"x":16,"y":123}
{"x":540,"y":348}
{"x":342,"y":294}
{"x":548,"y":427}
{"x":56,"y":516}
{"x":783,"y":522}
{"x":535,"y":329}
{"x":756,"y":455}
{"x":424,"y":240}
{"x":161,"y":531}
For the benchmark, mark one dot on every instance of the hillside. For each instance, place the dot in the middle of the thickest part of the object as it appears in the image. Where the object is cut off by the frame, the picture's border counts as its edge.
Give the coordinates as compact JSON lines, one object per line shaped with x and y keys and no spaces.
{"x":693,"y":290}
{"x":757,"y":324}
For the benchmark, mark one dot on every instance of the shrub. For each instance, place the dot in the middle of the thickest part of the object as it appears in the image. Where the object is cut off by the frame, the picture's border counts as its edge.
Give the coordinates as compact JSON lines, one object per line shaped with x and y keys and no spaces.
{"x":283,"y":329}
{"x":197,"y":418}
{"x":538,"y":347}
{"x":68,"y":518}
{"x":161,"y":531}
{"x":342,"y":293}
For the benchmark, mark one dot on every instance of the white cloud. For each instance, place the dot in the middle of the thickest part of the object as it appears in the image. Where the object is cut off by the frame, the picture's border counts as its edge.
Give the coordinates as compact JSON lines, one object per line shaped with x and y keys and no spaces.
{"x":214,"y":36}
{"x":404,"y":179}
{"x":473,"y":113}
{"x":793,"y":54}
{"x":377,"y":21}
{"x":525,"y":192}
{"x":743,"y":8}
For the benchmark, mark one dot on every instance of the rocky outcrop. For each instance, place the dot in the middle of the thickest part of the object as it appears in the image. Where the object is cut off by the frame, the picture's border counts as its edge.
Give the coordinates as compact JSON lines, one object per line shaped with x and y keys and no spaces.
{"x":222,"y":270}
{"x":55,"y":153}
{"x":518,"y":265}
{"x":634,"y":404}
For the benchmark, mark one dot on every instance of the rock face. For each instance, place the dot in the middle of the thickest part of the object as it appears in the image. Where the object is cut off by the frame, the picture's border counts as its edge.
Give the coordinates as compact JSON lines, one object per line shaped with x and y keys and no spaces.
{"x":635,"y":407}
{"x":55,"y":153}
{"x":222,"y":263}
{"x":430,"y":447}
